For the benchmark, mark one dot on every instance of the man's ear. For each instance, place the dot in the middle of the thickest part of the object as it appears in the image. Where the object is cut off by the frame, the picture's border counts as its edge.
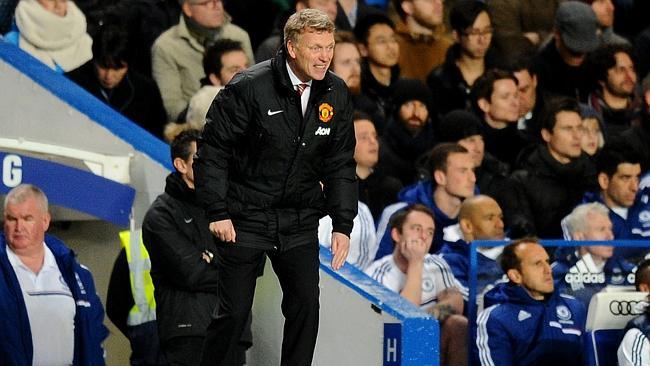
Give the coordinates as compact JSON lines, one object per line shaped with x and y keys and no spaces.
{"x":644,"y":287}
{"x":646,"y":97}
{"x":47,"y":219}
{"x":439,"y":177}
{"x":465,"y":226}
{"x":180,"y":165}
{"x":603,"y":181}
{"x":484,"y":105}
{"x":186,"y":9}
{"x":455,"y":36}
{"x":578,"y":235}
{"x":291,"y":49}
{"x":363,"y":50}
{"x":514,"y":276}
{"x":395,"y":235}
{"x":546,"y":135}
{"x":407,"y":7}
{"x":215,"y":80}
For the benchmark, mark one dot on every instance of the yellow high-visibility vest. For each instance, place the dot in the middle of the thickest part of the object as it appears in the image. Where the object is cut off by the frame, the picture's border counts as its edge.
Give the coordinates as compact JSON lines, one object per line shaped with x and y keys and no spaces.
{"x":137,"y":257}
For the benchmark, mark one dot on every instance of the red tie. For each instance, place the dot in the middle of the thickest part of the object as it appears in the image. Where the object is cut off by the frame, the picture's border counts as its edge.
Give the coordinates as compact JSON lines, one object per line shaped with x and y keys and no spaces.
{"x":300,"y":88}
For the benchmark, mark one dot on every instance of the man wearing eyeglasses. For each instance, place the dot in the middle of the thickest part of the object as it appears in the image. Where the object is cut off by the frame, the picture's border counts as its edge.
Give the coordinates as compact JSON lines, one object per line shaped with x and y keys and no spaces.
{"x":466,"y":60}
{"x":273,"y":135}
{"x":177,"y":54}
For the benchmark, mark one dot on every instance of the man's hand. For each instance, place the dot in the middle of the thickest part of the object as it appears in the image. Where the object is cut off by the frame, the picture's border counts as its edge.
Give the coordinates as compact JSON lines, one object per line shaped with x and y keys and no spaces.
{"x":223,"y":230}
{"x":414,"y":249}
{"x":340,"y":248}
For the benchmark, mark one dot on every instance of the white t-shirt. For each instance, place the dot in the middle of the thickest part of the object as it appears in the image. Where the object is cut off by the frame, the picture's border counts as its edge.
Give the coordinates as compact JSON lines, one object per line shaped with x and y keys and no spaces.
{"x":50,"y":308}
{"x":436,"y":277}
{"x":363,"y":245}
{"x":634,"y":349}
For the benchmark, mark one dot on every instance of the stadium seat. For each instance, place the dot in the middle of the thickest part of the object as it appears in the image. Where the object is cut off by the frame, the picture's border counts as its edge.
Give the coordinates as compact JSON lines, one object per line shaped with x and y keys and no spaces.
{"x":608,"y":314}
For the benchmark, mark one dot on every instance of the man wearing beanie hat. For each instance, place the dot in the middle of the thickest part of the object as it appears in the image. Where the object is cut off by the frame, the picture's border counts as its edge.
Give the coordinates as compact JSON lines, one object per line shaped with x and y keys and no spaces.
{"x":465,"y":129}
{"x":409,"y":133}
{"x":560,"y":63}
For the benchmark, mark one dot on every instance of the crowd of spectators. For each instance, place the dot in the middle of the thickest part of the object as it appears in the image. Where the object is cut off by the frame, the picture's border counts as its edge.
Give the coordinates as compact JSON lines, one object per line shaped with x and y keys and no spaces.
{"x":474,"y":120}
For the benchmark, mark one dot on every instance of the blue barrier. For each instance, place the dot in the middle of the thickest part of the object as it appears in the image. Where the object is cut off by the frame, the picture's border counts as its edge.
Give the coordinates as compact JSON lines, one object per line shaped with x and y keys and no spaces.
{"x":70,"y":187}
{"x":416,"y":339}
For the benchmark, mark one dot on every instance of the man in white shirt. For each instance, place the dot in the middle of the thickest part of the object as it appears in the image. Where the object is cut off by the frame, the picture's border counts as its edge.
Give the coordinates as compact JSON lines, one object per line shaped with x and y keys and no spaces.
{"x":424,"y":279}
{"x":49,"y":311}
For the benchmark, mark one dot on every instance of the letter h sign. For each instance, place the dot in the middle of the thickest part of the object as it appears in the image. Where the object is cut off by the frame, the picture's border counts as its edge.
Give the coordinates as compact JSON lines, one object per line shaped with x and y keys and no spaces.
{"x":392,"y":344}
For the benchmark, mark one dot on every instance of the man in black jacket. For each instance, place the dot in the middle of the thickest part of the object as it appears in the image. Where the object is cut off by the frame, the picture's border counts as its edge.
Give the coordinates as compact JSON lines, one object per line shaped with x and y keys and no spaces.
{"x":553,"y":176}
{"x":175,"y":233}
{"x":108,"y":77}
{"x":277,"y":132}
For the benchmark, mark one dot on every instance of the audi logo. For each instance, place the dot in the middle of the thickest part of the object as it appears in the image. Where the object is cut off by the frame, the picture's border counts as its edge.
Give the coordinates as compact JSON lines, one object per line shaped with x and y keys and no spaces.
{"x":617,"y":307}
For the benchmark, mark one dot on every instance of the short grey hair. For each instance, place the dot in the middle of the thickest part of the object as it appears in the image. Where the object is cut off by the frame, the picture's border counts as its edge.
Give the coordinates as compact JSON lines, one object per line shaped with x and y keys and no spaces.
{"x":306,"y":20}
{"x":22,"y":192}
{"x":578,"y":218}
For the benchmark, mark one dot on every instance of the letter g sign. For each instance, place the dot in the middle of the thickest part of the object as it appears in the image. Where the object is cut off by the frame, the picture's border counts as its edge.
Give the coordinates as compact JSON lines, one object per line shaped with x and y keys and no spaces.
{"x":12,"y":174}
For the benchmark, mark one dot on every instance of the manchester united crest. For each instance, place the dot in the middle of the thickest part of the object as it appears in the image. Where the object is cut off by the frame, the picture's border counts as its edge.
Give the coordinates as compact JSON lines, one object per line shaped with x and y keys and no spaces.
{"x":325,"y":112}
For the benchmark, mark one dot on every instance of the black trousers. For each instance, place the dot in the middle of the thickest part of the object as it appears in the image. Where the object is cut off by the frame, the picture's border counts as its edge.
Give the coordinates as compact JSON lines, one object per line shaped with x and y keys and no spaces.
{"x":297,"y":272}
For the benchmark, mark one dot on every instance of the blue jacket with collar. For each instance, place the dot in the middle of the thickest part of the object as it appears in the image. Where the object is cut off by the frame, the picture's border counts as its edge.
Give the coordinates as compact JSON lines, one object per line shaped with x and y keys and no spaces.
{"x":421,"y":192}
{"x":637,"y":224}
{"x":16,"y":347}
{"x":456,"y":254}
{"x":515,"y":329}
{"x":578,"y":280}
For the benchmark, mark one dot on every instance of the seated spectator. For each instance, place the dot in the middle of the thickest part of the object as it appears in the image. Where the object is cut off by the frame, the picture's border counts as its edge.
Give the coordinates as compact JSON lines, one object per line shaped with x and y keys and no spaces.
{"x":619,"y":173}
{"x":588,"y":269}
{"x":638,"y":137}
{"x":480,"y":218}
{"x":176,"y":56}
{"x":614,"y":97}
{"x":526,"y":320}
{"x":553,"y":176}
{"x":270,"y":46}
{"x":346,"y":62}
{"x":221,"y":62}
{"x":409,"y":134}
{"x":604,"y":10}
{"x":635,"y":346}
{"x":522,"y":22}
{"x":560,"y":64}
{"x":376,"y":189}
{"x":465,"y":60}
{"x":496,"y":99}
{"x":452,"y":180}
{"x":592,"y":139}
{"x":348,"y":13}
{"x":531,"y":101}
{"x":465,"y":129}
{"x":108,"y":77}
{"x":54,"y":32}
{"x":379,"y":70}
{"x":422,"y":43}
{"x":424,"y":279}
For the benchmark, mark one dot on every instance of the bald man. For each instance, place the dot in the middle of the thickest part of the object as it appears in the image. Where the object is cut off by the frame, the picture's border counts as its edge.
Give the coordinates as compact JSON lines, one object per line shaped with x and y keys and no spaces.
{"x":480,"y":218}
